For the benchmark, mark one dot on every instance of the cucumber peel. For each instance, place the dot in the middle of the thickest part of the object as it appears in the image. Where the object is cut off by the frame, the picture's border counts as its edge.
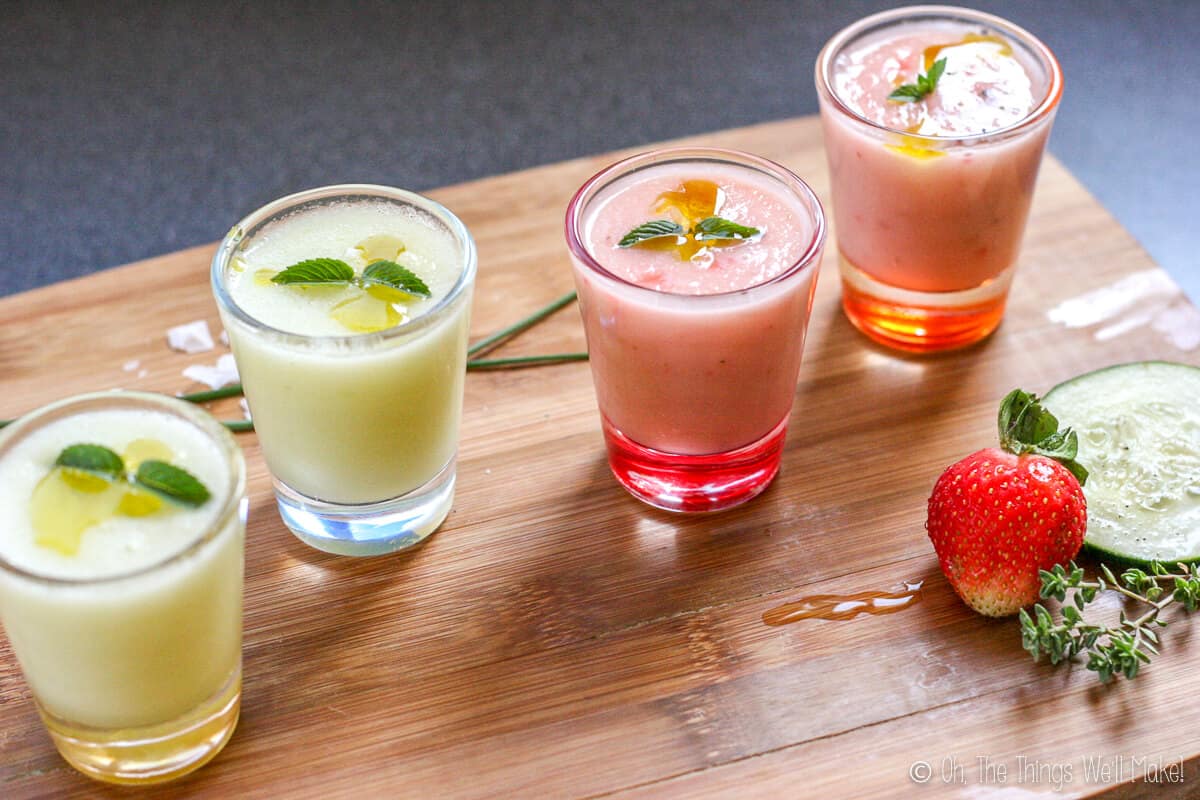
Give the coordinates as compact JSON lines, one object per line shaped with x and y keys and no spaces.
{"x":1138,"y":427}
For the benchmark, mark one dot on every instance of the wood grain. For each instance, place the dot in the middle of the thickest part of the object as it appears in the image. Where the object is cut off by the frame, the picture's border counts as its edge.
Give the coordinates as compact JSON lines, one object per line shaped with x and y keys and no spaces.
{"x":557,"y":638}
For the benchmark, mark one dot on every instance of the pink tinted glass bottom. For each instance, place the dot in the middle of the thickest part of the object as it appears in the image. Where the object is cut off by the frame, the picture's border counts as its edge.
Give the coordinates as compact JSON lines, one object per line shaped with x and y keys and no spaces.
{"x":710,"y":482}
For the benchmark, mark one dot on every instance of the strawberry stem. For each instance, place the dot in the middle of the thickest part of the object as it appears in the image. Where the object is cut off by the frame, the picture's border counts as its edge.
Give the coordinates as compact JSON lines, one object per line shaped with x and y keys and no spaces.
{"x":1026,"y":426}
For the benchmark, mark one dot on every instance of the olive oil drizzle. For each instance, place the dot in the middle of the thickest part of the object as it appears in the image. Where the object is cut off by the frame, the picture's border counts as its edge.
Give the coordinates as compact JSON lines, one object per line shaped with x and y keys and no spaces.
{"x":916,"y":146}
{"x":930,"y":54}
{"x":68,"y":502}
{"x":364,"y":309}
{"x":844,"y":606}
{"x":695,"y":200}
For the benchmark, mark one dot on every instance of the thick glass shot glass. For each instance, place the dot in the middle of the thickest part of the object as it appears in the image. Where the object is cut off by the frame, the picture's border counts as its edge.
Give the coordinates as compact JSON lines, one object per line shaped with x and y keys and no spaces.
{"x":929,"y":226}
{"x":134,"y":658}
{"x":695,"y":389}
{"x":360,"y":430}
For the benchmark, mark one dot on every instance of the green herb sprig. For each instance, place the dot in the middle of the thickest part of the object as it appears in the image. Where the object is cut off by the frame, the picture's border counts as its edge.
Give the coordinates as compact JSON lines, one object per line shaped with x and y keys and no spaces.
{"x":925,"y":85}
{"x":707,"y":228}
{"x":1119,"y":649}
{"x":654,"y":229}
{"x":166,"y":480}
{"x":524,"y":361}
{"x":721,"y":228}
{"x":473,"y":363}
{"x":501,"y":336}
{"x":324,"y":271}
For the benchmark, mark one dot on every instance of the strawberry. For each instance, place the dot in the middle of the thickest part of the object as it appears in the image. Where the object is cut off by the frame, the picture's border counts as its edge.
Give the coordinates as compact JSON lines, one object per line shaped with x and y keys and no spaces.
{"x":1000,"y":515}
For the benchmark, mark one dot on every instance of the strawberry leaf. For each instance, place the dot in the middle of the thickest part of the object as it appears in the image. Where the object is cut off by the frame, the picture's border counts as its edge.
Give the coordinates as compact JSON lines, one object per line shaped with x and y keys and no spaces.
{"x":1028,"y":427}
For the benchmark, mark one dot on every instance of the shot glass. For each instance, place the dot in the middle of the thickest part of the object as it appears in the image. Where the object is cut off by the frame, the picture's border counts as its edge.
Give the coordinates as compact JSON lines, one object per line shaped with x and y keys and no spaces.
{"x":929,"y":225}
{"x":695,"y":352}
{"x":358,"y":429}
{"x":131,"y":643}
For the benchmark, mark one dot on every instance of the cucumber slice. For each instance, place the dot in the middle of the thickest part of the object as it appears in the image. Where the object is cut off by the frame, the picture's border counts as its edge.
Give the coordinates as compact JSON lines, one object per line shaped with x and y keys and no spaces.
{"x":1139,"y":437}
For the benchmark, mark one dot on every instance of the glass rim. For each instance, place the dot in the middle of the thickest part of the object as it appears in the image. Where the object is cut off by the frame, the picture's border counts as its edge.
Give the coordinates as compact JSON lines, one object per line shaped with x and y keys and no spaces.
{"x":833,"y":47}
{"x":115,"y":400}
{"x":277,"y":208}
{"x":626,"y":166}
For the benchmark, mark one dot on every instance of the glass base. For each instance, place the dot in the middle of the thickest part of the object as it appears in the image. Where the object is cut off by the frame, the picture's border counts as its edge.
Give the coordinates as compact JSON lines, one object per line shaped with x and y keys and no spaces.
{"x":922,"y":322}
{"x":688,"y":483}
{"x":154,"y":753}
{"x":369,"y":529}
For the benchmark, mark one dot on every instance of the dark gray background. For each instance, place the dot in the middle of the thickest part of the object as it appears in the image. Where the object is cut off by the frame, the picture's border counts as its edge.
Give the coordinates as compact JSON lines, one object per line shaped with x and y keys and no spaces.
{"x":134,"y":129}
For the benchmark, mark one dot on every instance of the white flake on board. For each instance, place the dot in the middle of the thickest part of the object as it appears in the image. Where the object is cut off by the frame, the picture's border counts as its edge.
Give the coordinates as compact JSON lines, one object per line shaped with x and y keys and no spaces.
{"x":223,"y":373}
{"x":192,"y":337}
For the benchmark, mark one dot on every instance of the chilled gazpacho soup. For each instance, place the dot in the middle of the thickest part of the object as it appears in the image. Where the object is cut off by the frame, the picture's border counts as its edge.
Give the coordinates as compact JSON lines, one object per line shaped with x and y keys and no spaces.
{"x":121,"y":587}
{"x":935,"y":126}
{"x":908,"y":236}
{"x":345,"y":414}
{"x":703,"y":377}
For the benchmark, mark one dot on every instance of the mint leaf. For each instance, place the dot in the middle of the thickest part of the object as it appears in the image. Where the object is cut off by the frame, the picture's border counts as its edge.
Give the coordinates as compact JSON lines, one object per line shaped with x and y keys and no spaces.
{"x":93,"y":458}
{"x":173,"y":483}
{"x":926,"y":84}
{"x":655,"y":229}
{"x":934,"y":74}
{"x":908,"y":93}
{"x":721,"y":228}
{"x":316,"y":270}
{"x":397,"y":276}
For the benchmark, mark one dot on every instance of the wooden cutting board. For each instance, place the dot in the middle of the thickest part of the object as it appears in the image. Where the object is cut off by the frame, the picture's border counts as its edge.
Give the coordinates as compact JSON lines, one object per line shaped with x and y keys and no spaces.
{"x":557,"y":638}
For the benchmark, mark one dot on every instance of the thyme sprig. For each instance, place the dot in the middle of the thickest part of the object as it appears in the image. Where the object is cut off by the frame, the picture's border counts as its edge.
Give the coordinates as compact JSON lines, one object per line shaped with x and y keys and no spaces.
{"x":1119,"y":649}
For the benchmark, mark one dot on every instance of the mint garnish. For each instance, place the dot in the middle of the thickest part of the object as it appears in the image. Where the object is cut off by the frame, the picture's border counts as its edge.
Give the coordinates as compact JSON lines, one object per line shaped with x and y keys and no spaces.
{"x":654,"y":229}
{"x":912,"y":92}
{"x":396,"y":276}
{"x":323,"y":271}
{"x":171,"y":482}
{"x":93,"y":458}
{"x":721,"y":228}
{"x":316,"y":270}
{"x":707,"y":228}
